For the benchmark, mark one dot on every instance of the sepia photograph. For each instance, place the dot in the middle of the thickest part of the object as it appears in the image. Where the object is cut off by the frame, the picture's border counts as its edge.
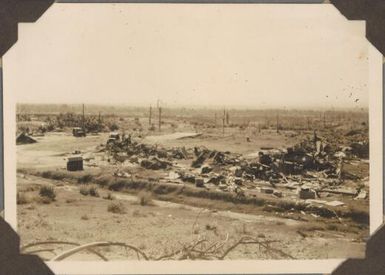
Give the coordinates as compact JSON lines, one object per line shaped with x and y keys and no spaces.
{"x":191,"y":132}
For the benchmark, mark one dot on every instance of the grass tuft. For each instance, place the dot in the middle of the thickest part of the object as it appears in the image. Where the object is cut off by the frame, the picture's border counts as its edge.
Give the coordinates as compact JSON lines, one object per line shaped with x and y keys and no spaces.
{"x":145,"y":198}
{"x":85,"y":178}
{"x":117,"y":208}
{"x":91,"y":190}
{"x":84,"y":191}
{"x":109,"y":196}
{"x":84,"y":217}
{"x":22,"y":198}
{"x":55,"y":175}
{"x":47,"y":192}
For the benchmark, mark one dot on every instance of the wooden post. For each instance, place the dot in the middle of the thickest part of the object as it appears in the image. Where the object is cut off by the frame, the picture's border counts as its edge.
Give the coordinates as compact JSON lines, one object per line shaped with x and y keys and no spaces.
{"x":149,"y":118}
{"x":277,"y":123}
{"x":83,"y":120}
{"x":223,"y":125}
{"x":223,"y":121}
{"x":99,"y":122}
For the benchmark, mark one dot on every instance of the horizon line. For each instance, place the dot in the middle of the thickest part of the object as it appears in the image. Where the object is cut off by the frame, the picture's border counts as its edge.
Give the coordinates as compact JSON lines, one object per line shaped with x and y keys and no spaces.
{"x":202,"y":106}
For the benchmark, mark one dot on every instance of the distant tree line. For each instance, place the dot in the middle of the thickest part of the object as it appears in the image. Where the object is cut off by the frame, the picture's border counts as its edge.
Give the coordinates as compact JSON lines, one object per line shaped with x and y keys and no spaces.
{"x":91,"y":123}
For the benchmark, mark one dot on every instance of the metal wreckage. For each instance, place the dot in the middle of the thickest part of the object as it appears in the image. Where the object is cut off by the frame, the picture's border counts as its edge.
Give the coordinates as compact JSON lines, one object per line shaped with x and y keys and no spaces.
{"x":310,"y":170}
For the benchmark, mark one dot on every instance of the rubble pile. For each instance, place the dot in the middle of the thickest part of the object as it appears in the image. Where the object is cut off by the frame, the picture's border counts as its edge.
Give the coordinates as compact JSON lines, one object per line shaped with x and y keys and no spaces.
{"x":310,"y":170}
{"x":272,"y":166}
{"x":148,"y":156}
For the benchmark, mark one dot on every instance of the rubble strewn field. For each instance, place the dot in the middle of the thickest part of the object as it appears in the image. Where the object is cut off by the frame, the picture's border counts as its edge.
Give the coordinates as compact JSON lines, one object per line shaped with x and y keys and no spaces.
{"x":199,"y":185}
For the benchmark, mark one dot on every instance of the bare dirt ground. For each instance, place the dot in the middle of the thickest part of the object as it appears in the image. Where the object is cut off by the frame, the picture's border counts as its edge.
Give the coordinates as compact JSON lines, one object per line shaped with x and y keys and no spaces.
{"x":170,"y":222}
{"x":232,"y":141}
{"x":163,"y":226}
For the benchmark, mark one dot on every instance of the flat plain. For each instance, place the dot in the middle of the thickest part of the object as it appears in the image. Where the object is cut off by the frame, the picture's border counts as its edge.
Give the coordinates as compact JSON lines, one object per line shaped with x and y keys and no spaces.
{"x":192,"y":183}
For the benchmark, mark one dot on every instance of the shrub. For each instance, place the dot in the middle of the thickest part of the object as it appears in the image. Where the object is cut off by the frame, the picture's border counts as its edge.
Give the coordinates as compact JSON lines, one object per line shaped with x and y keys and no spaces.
{"x":47,"y":192}
{"x":22,"y":198}
{"x":85,"y":178}
{"x":113,"y":127}
{"x":103,"y":180}
{"x":116,"y":207}
{"x":332,"y":227}
{"x":93,"y":191}
{"x":145,"y":198}
{"x":84,"y":191}
{"x":55,"y":175}
{"x":70,"y":200}
{"x":117,"y":185}
{"x":109,"y":197}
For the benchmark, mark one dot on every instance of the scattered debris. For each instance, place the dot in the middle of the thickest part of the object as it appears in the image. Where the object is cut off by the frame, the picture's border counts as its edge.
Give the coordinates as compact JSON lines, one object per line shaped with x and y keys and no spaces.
{"x":306,"y":193}
{"x":78,"y":132}
{"x":278,"y":194}
{"x":199,"y":182}
{"x":155,"y":164}
{"x":23,"y":138}
{"x":361,"y":195}
{"x":75,"y":163}
{"x":335,"y":203}
{"x":313,"y":168}
{"x":173,"y":175}
{"x":267,"y":190}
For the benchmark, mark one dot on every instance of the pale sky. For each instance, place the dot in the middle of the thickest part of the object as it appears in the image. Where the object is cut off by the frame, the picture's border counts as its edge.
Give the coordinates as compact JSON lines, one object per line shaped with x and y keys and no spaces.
{"x":252,"y":55}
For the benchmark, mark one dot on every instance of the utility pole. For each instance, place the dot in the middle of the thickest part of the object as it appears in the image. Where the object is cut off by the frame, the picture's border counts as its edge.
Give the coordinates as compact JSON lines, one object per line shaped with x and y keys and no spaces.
{"x":149,"y":118}
{"x":223,"y":125}
{"x":160,"y":117}
{"x":215,"y":120}
{"x":99,"y":122}
{"x":308,"y":123}
{"x":83,"y":120}
{"x":223,"y":121}
{"x":277,"y":123}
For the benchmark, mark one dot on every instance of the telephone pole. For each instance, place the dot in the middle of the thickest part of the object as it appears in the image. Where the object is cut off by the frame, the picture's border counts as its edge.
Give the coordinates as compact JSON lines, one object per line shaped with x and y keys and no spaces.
{"x":277,"y":123}
{"x":223,"y":125}
{"x":83,"y":120}
{"x":149,"y":119}
{"x":223,"y":121}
